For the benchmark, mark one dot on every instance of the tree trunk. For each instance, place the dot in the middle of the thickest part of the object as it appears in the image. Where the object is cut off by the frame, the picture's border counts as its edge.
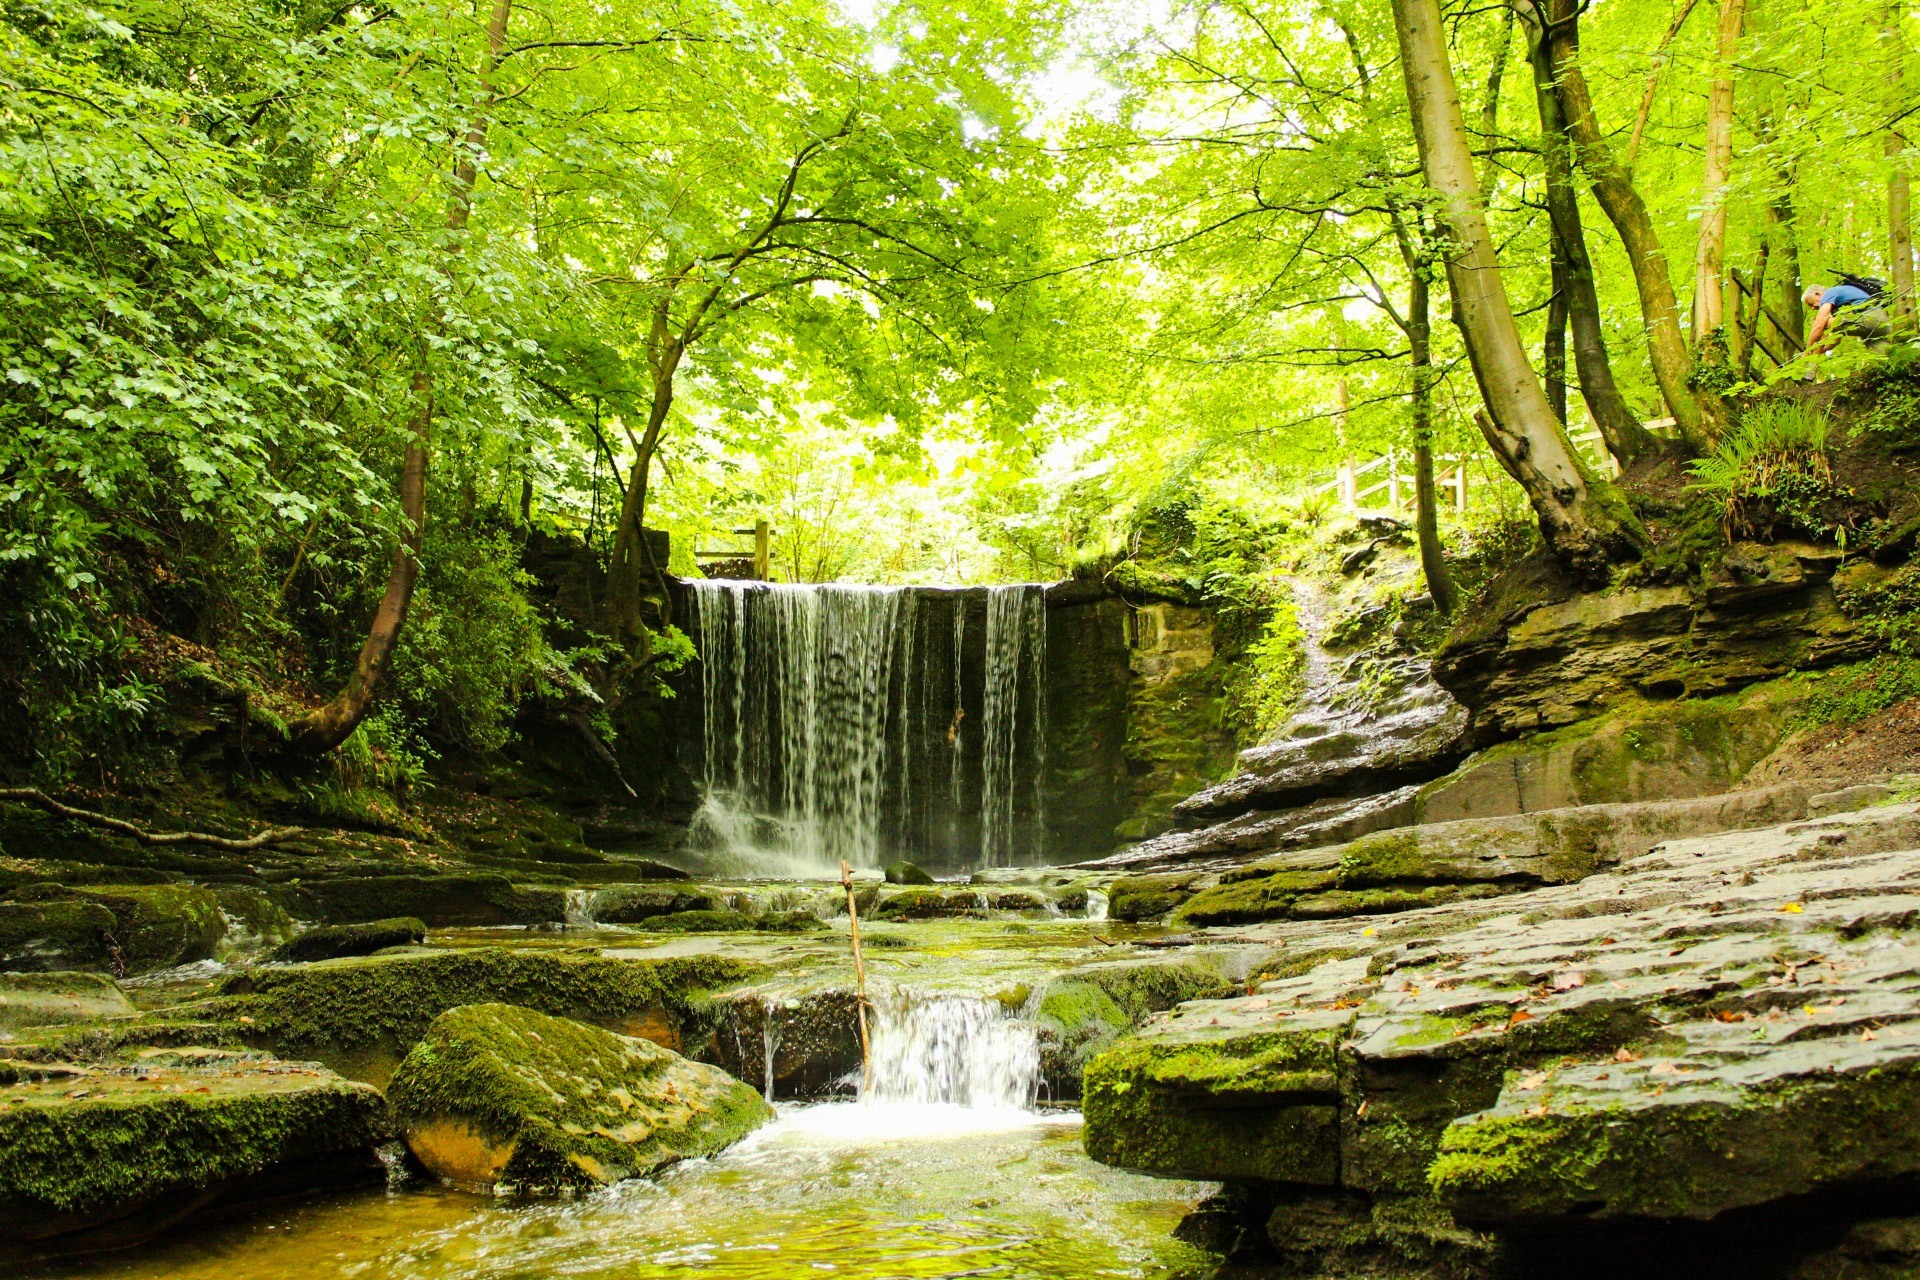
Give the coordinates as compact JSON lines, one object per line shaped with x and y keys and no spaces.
{"x":1710,"y":250}
{"x":632,"y":557}
{"x":1553,"y":348}
{"x":1426,"y":509}
{"x":1620,"y":427}
{"x":327,"y":727}
{"x":1899,"y":206}
{"x":1614,"y":190}
{"x":1581,"y":516}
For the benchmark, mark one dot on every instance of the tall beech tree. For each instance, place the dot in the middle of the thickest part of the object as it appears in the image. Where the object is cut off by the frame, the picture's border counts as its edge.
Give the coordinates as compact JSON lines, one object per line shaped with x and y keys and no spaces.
{"x":1581,"y":517}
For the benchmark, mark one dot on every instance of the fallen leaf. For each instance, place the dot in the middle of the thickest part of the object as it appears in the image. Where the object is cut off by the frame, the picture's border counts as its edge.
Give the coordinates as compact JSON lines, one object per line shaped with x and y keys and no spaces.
{"x":1792,"y":907}
{"x":1536,"y":1111}
{"x":1730,"y":1015}
{"x":1568,"y":980}
{"x":1624,"y":1054}
{"x":1367,"y":932}
{"x":1363,"y":1107}
{"x":1532,"y":1082}
{"x":1519,"y":1015}
{"x":1866,"y":1033}
{"x":1604,"y":1075}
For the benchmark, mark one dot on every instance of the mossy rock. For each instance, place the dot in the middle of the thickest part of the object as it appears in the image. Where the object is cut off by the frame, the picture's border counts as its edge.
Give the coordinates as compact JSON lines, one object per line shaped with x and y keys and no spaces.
{"x":102,"y":1160}
{"x":362,"y":1015}
{"x":1137,"y":898}
{"x":445,"y":901}
{"x":54,"y":935}
{"x":334,"y":941}
{"x":735,"y":922}
{"x":1263,"y":1106}
{"x":926,"y":904}
{"x":1078,"y":1013}
{"x":639,"y":904}
{"x":496,"y":1095}
{"x":125,"y":928}
{"x":43,"y":999}
{"x":904,"y":872}
{"x":254,"y":919}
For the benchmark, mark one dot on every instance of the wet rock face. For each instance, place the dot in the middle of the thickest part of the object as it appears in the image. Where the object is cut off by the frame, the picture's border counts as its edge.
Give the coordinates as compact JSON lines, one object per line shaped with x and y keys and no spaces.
{"x":496,"y":1095}
{"x":1544,"y":658}
{"x":332,"y":942}
{"x":45,"y":999}
{"x":102,"y":1157}
{"x":119,"y":928}
{"x":1715,"y":1024}
{"x":904,"y":872}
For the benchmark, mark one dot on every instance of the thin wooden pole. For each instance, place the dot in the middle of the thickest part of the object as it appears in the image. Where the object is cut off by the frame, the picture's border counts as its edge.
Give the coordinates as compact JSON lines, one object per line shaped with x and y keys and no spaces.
{"x":860,"y":980}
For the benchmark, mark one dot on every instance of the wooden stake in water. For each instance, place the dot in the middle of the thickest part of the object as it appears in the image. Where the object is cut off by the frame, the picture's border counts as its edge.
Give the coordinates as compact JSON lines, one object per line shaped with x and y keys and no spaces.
{"x":859,"y":979}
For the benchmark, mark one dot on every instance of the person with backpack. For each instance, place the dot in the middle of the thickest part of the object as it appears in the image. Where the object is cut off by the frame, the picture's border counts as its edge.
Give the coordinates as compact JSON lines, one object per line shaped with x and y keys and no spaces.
{"x":1855,"y":307}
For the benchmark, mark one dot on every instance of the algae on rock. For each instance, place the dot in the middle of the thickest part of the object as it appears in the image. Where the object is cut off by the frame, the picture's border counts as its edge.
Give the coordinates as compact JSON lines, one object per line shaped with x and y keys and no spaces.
{"x":496,"y":1095}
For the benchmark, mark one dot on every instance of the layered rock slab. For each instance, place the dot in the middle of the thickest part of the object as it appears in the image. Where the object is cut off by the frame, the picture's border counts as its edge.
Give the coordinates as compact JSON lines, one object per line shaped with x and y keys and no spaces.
{"x":1573,"y":1051}
{"x":103,"y":1157}
{"x":495,"y":1095}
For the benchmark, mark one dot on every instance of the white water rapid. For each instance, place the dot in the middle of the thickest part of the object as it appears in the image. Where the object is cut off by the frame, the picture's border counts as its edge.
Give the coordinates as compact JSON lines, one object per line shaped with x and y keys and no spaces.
{"x":871,"y":723}
{"x":942,"y":1050}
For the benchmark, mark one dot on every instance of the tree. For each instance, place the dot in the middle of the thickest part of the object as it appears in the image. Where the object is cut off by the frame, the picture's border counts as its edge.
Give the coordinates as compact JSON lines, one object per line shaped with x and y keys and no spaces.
{"x":1708,"y":287}
{"x":1581,"y":517}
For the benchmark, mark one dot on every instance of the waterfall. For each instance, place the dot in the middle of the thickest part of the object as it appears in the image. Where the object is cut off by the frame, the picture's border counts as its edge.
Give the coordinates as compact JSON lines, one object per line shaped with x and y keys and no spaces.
{"x":579,"y":909}
{"x":840,"y":723}
{"x":958,"y":1050}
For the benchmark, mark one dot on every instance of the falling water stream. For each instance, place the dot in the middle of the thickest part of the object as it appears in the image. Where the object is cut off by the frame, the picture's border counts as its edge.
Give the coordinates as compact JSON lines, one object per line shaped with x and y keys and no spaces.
{"x":870,"y":723}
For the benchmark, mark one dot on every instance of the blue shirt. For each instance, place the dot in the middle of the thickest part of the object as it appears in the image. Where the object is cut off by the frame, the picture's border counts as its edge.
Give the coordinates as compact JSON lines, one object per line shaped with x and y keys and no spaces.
{"x":1844,"y":295}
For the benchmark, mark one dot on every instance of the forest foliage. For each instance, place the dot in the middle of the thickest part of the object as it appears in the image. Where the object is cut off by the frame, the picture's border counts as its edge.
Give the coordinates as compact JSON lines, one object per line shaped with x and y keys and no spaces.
{"x":943,"y":292}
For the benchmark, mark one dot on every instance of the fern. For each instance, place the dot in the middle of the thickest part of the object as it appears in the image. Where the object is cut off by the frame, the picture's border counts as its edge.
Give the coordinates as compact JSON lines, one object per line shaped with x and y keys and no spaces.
{"x":1773,"y":452}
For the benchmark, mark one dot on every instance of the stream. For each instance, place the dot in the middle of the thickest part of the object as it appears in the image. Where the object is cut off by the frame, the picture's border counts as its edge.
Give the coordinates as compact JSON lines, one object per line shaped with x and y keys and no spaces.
{"x":886,"y":1190}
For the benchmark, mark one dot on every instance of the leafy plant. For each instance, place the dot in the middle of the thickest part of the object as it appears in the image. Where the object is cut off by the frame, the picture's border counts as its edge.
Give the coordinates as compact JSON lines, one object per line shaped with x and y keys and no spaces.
{"x":1773,"y":465}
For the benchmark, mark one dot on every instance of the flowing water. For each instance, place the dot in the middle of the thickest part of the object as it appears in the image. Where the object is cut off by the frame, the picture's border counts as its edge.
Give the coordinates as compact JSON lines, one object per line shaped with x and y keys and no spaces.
{"x":870,"y":723}
{"x":942,"y":1169}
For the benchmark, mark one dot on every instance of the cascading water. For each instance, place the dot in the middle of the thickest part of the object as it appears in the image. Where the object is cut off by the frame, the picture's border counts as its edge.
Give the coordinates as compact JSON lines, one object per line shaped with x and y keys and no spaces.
{"x":866,"y":723}
{"x":952,"y":1050}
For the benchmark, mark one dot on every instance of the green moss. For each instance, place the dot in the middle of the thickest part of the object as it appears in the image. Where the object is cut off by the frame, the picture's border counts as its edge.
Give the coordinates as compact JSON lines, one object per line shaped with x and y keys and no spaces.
{"x":1259,"y":1106}
{"x":578,"y":1106}
{"x":734,"y":922}
{"x":1135,"y":898}
{"x":387,"y":1002}
{"x":904,"y":872}
{"x":55,"y":935}
{"x":633,"y":904}
{"x":1078,"y":1013}
{"x":65,"y":1156}
{"x":331,"y":942}
{"x":442,"y":901}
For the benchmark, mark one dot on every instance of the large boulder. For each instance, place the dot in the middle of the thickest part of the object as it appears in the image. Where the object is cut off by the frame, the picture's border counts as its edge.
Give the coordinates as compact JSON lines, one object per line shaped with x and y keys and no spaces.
{"x":443,"y":901}
{"x":496,"y":1095}
{"x":102,"y":1158}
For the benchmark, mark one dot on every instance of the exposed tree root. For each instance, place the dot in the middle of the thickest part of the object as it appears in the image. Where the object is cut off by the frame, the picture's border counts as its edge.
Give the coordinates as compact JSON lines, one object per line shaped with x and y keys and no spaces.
{"x":40,"y":799}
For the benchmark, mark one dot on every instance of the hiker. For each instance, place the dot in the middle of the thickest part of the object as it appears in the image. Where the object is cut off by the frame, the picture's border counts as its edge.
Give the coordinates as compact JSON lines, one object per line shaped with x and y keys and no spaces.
{"x":1847,"y":308}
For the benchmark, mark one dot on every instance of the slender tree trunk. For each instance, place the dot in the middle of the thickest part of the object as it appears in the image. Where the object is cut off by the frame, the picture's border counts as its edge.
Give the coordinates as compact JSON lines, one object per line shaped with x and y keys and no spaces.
{"x":1626,"y":438}
{"x":327,"y":727}
{"x":1553,"y":348}
{"x":632,"y":557}
{"x":1614,"y":190}
{"x":1581,"y":516}
{"x":1899,"y":206}
{"x":1426,"y":509}
{"x":1710,"y":250}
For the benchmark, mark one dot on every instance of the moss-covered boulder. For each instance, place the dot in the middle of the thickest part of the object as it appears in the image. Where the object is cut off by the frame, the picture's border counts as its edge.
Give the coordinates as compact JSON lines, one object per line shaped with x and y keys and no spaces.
{"x":61,"y":934}
{"x":334,"y":941}
{"x":44,"y":999}
{"x":1136,"y":898}
{"x":443,"y":901}
{"x":102,"y":1158}
{"x":1080,"y":1012}
{"x":904,"y":872}
{"x":639,"y":904}
{"x":362,"y":1015}
{"x":734,"y":922}
{"x":125,"y":928}
{"x":496,"y":1095}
